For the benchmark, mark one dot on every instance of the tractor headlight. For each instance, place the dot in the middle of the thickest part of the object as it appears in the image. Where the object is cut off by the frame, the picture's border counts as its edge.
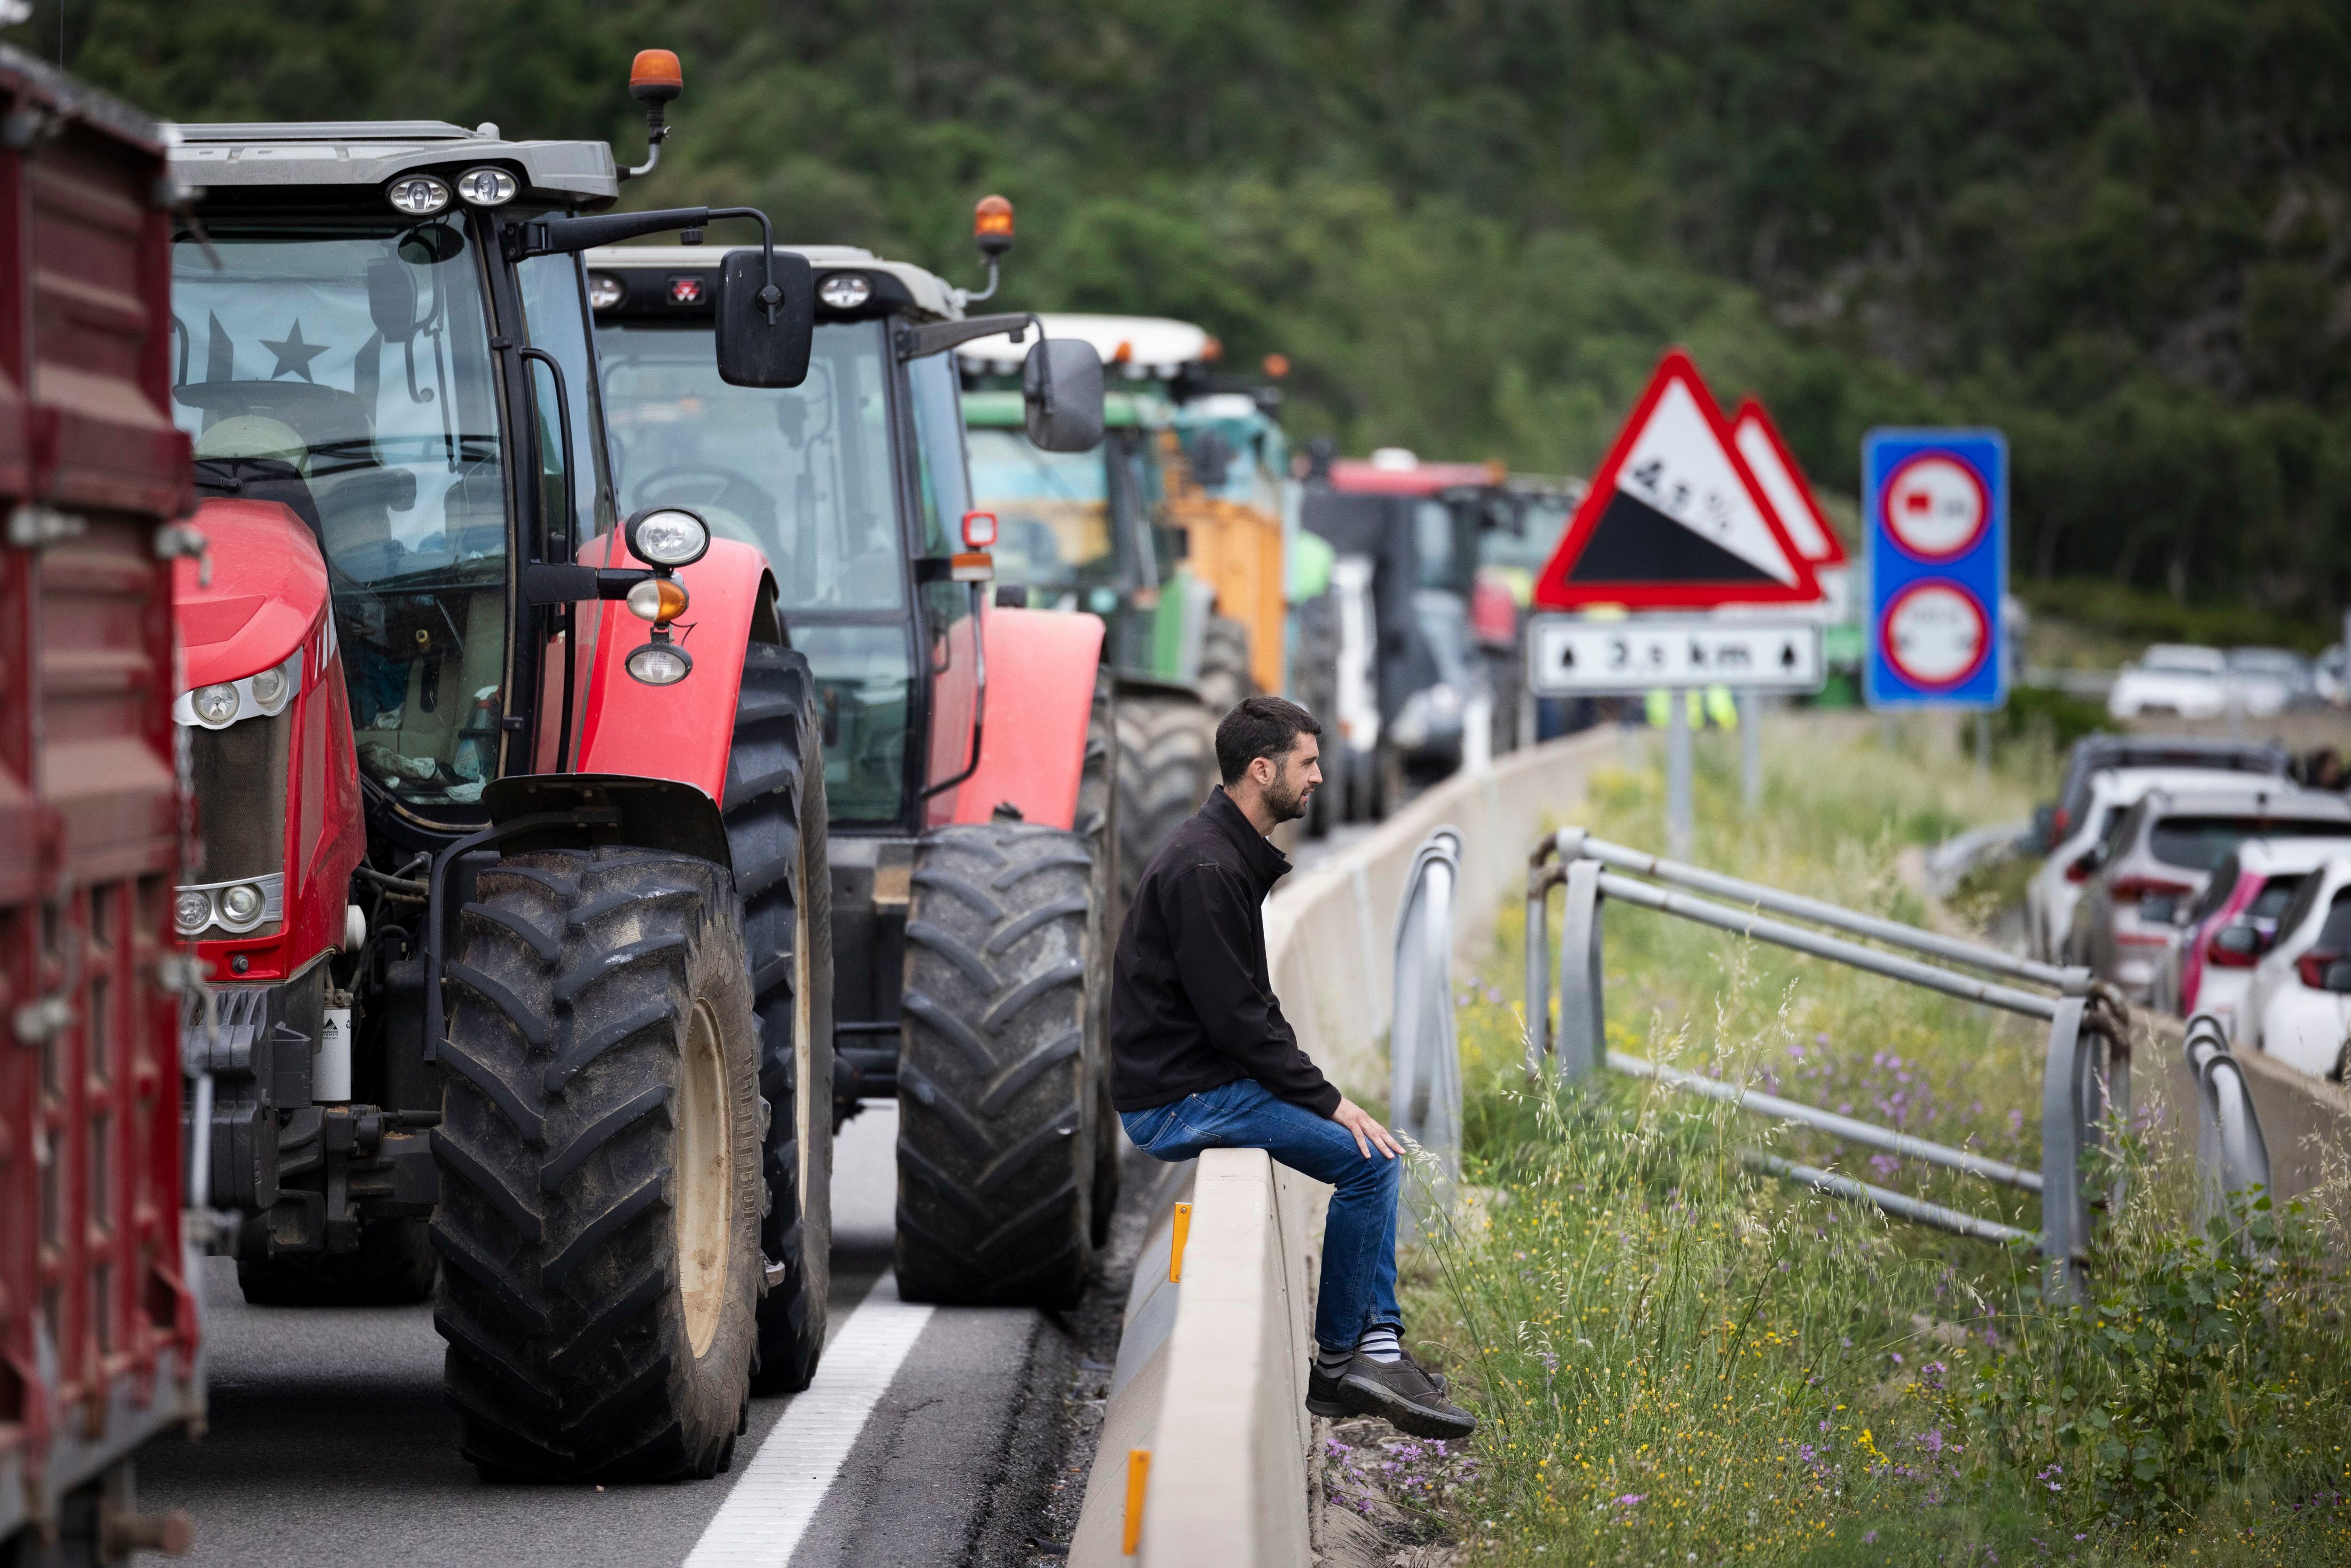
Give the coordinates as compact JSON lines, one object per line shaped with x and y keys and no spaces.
{"x":660,"y":664}
{"x":240,"y":906}
{"x":844,"y":290}
{"x":418,"y":195}
{"x":604,"y":290}
{"x":215,"y":706}
{"x":192,"y":910}
{"x":487,"y":187}
{"x":668,"y":536}
{"x":271,"y":689}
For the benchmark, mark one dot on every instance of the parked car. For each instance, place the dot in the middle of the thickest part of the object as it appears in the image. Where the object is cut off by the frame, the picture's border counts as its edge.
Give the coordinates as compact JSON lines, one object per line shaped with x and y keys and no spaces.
{"x":2092,"y":753}
{"x":2095,"y":808}
{"x":2294,"y":675}
{"x":2297,"y":1005}
{"x":2155,"y":861}
{"x":2196,"y":683}
{"x":2233,"y":923}
{"x":2331,"y":674}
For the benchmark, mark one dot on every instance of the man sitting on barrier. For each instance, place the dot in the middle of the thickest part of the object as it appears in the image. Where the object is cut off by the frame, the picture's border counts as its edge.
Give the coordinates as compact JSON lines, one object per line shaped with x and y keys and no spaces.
{"x":1201,"y":1058}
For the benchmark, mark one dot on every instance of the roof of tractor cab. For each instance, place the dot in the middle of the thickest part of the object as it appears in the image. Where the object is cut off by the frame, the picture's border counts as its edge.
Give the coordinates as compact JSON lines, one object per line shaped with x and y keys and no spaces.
{"x":1403,"y":474}
{"x":1120,"y":410}
{"x":1140,"y":346}
{"x":264,"y":157}
{"x":925,"y":291}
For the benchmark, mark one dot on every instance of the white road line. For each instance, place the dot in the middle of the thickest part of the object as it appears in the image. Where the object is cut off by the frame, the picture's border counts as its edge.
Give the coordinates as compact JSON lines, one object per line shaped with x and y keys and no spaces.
{"x":760,"y":1523}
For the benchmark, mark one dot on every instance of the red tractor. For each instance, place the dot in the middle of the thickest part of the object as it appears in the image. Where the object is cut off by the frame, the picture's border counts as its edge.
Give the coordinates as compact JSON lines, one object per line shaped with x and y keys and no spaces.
{"x":513,"y":807}
{"x":969,"y":746}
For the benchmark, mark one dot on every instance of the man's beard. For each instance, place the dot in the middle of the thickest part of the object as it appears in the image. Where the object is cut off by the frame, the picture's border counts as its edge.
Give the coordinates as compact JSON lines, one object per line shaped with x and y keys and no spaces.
{"x":1287,"y":808}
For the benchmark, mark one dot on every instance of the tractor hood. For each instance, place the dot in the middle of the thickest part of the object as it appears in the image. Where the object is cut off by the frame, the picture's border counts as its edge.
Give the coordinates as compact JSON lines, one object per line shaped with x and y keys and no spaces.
{"x":267,"y":589}
{"x":255,"y":160}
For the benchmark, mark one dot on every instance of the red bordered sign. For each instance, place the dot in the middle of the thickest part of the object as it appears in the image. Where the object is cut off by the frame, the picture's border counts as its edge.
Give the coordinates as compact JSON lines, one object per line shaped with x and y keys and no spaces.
{"x":1675,"y":518}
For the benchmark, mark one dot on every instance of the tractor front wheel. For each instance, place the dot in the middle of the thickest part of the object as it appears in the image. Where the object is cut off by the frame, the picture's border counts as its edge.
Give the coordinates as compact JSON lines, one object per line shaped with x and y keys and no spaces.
{"x":1166,"y":763}
{"x":998,"y":1103}
{"x":600,"y":1160}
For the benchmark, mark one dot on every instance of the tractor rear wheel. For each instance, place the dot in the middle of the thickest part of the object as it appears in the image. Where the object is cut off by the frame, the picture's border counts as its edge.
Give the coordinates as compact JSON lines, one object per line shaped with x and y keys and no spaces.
{"x":997,"y":1066}
{"x":1315,"y":678}
{"x":776,"y":827}
{"x":1225,"y":665}
{"x":394,"y":1265}
{"x":1166,"y":761}
{"x":600,"y":1168}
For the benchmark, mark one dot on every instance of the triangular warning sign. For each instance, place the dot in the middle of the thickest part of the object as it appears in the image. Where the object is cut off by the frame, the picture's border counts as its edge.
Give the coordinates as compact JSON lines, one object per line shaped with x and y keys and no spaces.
{"x":1783,"y":485}
{"x":1675,"y":518}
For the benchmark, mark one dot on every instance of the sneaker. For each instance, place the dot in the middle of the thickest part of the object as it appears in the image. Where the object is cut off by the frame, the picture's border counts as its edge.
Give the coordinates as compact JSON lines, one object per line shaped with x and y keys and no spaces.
{"x":1401,"y":1393}
{"x":1323,"y":1396}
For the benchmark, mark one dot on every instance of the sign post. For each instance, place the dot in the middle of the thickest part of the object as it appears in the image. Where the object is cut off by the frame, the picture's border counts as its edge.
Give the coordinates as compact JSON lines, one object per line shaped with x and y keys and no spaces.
{"x":1679,"y":572}
{"x":1936,"y":553}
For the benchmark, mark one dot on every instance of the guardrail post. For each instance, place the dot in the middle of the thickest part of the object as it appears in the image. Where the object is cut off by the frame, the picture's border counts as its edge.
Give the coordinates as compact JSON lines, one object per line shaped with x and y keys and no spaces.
{"x":1540,"y":880}
{"x":2231,"y":1156}
{"x":1583,"y":1014}
{"x":2067,"y":1128}
{"x":1423,"y":1057}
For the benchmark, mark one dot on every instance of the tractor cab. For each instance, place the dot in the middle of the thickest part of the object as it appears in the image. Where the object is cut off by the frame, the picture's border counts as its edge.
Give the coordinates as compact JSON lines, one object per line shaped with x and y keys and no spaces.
{"x":1410,"y":679}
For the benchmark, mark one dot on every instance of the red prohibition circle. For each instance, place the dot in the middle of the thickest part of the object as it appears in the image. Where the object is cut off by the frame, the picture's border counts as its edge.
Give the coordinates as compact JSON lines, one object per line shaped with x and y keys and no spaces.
{"x":1894,"y":608}
{"x":1894,"y":482}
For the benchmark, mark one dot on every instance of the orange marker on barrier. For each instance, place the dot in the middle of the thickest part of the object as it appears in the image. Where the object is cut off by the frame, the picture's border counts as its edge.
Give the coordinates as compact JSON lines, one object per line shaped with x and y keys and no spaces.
{"x":1176,"y":1247}
{"x":1138,"y":1471}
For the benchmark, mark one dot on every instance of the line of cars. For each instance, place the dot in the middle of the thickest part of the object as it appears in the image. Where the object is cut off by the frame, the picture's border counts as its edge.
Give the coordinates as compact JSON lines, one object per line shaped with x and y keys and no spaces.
{"x":2204,"y":876}
{"x":2187,"y":681}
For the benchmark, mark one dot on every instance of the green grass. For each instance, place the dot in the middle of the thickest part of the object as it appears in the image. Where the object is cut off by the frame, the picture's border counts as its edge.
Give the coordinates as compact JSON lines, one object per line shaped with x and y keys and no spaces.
{"x":1679,"y":1362}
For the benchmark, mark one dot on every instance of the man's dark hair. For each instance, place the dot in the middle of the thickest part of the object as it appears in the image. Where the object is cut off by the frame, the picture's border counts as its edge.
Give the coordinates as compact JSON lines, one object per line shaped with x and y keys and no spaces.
{"x":1260,"y":726}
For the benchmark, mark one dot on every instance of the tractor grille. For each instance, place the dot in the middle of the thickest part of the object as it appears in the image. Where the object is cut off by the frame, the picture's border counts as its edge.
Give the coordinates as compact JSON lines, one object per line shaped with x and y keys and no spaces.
{"x":239,"y":775}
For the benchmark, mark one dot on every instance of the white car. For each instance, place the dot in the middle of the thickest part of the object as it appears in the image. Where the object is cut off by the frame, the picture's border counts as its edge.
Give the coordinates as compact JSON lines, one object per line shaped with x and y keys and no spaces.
{"x":2233,"y":923}
{"x":2056,"y":887}
{"x":2298,"y":1006}
{"x":2177,"y":678}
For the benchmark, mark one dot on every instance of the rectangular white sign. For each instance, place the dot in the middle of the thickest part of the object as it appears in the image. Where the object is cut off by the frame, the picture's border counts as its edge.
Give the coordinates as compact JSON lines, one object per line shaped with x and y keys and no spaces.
{"x":1579,"y":656}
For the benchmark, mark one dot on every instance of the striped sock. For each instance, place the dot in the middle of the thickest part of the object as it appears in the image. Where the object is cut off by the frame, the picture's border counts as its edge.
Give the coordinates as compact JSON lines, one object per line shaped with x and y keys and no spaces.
{"x":1380,"y":1343}
{"x":1331,"y":1362}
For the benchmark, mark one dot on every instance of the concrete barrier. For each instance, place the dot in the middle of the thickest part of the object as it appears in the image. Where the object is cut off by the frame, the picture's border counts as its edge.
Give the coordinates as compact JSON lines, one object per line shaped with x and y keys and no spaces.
{"x":1210,"y":1381}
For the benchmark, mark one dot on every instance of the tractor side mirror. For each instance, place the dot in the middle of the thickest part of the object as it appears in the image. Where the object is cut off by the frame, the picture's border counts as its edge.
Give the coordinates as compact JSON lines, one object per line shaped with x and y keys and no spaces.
{"x":2044,"y":827}
{"x":1061,"y":387}
{"x":391,"y":299}
{"x":1211,"y":459}
{"x":764,"y":343}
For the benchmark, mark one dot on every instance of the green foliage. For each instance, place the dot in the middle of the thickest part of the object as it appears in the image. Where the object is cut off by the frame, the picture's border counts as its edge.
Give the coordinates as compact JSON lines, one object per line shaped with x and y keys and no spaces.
{"x":2118,"y":230}
{"x":2121,"y":611}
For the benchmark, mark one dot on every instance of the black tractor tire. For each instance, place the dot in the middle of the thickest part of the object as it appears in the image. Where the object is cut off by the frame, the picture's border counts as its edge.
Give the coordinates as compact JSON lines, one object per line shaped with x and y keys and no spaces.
{"x":1224,"y":677}
{"x":599,"y":1154}
{"x":1097,"y":823}
{"x":776,"y":828}
{"x":1166,"y":763}
{"x":395,"y":1266}
{"x":1314,"y":683}
{"x":996,"y":1098}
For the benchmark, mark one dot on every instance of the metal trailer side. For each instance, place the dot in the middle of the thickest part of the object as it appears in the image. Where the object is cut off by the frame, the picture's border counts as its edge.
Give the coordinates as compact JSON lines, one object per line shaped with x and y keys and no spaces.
{"x":99,"y":1331}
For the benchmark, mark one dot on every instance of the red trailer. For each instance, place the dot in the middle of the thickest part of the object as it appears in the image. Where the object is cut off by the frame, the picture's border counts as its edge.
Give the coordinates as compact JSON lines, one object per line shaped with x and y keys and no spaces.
{"x":98,"y":1346}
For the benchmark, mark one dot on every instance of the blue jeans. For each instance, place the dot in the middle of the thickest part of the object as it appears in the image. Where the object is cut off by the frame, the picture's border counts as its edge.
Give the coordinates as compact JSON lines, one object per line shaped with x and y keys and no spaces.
{"x":1359,"y":1270}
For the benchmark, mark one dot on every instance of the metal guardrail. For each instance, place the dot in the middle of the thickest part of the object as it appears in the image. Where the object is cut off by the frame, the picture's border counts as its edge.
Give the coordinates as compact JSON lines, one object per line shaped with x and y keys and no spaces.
{"x":2087,"y":1073}
{"x":2231,"y":1157}
{"x":1424,"y":1058}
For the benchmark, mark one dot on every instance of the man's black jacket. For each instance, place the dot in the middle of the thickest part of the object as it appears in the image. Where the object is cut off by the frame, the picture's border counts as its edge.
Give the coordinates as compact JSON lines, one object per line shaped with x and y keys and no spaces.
{"x":1192,"y":1006}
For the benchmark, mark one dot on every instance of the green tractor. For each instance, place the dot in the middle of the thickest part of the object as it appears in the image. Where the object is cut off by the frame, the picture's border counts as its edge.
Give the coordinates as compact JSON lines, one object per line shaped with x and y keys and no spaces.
{"x":1079,"y":532}
{"x":1103,"y":532}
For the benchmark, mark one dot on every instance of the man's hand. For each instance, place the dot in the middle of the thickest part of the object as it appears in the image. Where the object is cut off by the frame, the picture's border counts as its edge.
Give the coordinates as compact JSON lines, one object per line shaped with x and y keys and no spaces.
{"x":1358,"y":1121}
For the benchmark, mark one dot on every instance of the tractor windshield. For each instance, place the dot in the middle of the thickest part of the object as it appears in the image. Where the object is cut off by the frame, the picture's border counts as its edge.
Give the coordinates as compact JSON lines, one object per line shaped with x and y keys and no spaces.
{"x":1061,"y":517}
{"x":803,"y":473}
{"x":344,"y":369}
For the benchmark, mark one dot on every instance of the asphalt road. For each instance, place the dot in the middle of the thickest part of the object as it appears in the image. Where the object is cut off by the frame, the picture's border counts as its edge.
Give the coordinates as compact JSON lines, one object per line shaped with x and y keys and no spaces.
{"x":930,"y":1436}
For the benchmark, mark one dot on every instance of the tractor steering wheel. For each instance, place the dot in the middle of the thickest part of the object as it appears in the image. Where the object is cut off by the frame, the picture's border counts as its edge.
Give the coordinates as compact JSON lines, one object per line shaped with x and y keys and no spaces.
{"x":736,"y":492}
